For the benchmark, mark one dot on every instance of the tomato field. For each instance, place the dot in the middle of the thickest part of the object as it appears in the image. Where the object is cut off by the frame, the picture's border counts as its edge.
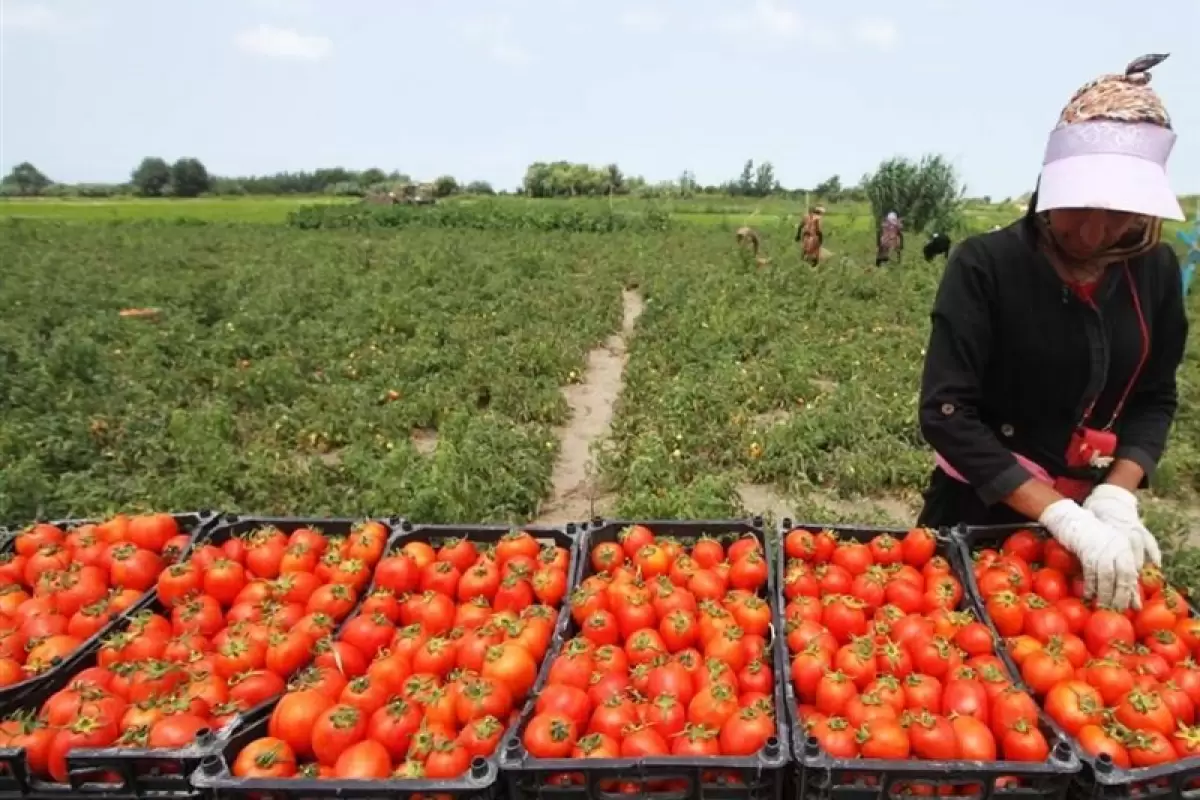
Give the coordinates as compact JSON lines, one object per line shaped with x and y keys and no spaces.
{"x":421,"y":370}
{"x":518,"y":363}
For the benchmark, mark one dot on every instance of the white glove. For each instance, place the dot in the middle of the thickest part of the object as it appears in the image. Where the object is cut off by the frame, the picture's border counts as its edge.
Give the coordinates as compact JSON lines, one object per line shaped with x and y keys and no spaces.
{"x":1109,"y":570}
{"x":1118,"y":508}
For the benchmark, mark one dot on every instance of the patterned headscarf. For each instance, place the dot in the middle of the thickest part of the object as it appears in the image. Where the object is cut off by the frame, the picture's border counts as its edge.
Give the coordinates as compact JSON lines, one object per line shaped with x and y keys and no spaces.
{"x":1120,"y":98}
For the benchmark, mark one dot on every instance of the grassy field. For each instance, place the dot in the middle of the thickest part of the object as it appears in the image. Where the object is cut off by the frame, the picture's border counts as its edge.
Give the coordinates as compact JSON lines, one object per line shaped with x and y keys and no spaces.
{"x":208,"y":209}
{"x":420,"y":372}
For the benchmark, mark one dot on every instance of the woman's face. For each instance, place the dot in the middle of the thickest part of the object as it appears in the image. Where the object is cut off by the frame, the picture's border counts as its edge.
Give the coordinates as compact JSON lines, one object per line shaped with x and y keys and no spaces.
{"x":1083,"y":233}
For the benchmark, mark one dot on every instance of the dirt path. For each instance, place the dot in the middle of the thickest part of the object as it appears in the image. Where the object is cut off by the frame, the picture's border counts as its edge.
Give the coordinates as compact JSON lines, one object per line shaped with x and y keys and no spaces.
{"x":885,"y":509}
{"x":576,"y":493}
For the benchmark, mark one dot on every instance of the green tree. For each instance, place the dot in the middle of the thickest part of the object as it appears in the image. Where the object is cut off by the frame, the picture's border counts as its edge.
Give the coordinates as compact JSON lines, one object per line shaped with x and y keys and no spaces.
{"x":369,"y":177}
{"x":926,"y":194}
{"x":615,"y":180}
{"x":480,"y":187}
{"x":764,"y":179}
{"x":564,"y":179}
{"x":189,"y":178}
{"x":830,"y":188}
{"x":745,"y":183}
{"x":444,"y":186}
{"x":152,"y":177}
{"x":687,"y":183}
{"x":27,"y":179}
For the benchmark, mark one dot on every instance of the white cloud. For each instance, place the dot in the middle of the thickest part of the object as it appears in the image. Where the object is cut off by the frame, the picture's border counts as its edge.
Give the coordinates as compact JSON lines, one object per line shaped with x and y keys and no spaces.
{"x":37,"y":17}
{"x":876,"y":32}
{"x":272,"y":42}
{"x":643,"y":20}
{"x":492,"y":34}
{"x":767,"y":22}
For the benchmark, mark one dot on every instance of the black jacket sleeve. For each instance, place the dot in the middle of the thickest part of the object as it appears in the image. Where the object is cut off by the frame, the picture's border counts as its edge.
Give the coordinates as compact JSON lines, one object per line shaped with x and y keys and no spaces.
{"x":951,"y":386}
{"x":1146,"y":419}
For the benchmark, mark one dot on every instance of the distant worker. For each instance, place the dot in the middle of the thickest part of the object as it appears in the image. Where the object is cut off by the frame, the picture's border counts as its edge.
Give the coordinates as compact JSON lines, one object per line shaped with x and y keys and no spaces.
{"x":748,"y":237}
{"x":938,"y":245}
{"x":891,"y":239}
{"x":811,"y":236}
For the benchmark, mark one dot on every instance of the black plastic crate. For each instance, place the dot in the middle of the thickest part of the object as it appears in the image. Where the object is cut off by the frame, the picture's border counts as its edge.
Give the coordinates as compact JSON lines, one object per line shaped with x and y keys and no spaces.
{"x":1100,"y":778}
{"x":197,"y":524}
{"x":480,"y":782}
{"x":819,"y":776}
{"x":758,"y":777}
{"x":125,"y":772}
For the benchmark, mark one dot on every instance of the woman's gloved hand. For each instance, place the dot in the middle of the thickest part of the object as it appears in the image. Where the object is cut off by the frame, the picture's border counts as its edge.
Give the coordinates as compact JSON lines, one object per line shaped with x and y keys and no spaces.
{"x":1109,"y":570}
{"x":1118,"y":508}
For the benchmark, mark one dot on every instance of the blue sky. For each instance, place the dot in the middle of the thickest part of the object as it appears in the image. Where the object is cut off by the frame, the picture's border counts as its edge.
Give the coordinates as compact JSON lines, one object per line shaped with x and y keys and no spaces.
{"x":481,"y":88}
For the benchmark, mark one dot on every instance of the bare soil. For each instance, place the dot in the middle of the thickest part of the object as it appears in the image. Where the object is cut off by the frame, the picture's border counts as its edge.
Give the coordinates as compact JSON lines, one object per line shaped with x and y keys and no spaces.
{"x":425,"y":440}
{"x":576,"y":492}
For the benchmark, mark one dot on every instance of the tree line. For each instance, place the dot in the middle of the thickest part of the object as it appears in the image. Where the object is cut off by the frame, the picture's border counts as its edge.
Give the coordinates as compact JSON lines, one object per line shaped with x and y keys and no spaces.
{"x":927,"y":192}
{"x":188,"y":177}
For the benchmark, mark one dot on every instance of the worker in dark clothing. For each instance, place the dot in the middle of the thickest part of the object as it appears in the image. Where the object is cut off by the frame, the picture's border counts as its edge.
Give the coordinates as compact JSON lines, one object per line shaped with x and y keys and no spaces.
{"x":938,"y":245}
{"x":1049,"y":380}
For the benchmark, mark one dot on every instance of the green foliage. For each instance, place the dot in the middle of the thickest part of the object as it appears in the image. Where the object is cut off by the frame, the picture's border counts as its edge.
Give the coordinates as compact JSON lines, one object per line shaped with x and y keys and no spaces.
{"x":372,"y":176}
{"x":266,"y":382}
{"x":345,"y":189}
{"x":444,"y":186}
{"x":264,"y":385}
{"x":479,"y":187}
{"x":151,"y":177}
{"x":564,"y":179}
{"x":927,"y":195}
{"x":481,"y":215}
{"x":25,"y":179}
{"x":189,"y":178}
{"x":829,"y":189}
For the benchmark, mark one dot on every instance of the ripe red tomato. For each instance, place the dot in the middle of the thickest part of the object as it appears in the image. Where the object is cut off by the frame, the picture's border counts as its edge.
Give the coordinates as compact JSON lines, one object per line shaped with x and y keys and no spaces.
{"x":1097,"y":740}
{"x":265,"y":758}
{"x":1105,"y":627}
{"x":365,"y":760}
{"x":1024,"y":544}
{"x":884,"y":738}
{"x":918,"y":546}
{"x":550,"y":735}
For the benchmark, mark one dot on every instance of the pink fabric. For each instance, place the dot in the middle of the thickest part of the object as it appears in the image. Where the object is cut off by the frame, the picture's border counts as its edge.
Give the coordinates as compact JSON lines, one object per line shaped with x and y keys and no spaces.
{"x":1119,"y":166}
{"x":1034,"y":468}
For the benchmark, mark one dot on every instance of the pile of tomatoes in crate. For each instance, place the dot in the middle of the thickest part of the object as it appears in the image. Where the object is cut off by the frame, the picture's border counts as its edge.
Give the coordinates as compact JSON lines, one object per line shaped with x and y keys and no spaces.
{"x":233,"y":623}
{"x":429,"y":672}
{"x":671,"y":656}
{"x":60,"y":588}
{"x":1122,"y":683}
{"x":884,"y":665}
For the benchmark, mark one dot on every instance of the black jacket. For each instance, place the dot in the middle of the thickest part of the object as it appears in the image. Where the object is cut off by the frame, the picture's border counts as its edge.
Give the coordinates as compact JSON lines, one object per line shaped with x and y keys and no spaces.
{"x":1015,"y":358}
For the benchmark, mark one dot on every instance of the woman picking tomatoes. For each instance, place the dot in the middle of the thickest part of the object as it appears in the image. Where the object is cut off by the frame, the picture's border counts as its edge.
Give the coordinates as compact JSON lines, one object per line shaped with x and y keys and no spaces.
{"x":1050,"y":377}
